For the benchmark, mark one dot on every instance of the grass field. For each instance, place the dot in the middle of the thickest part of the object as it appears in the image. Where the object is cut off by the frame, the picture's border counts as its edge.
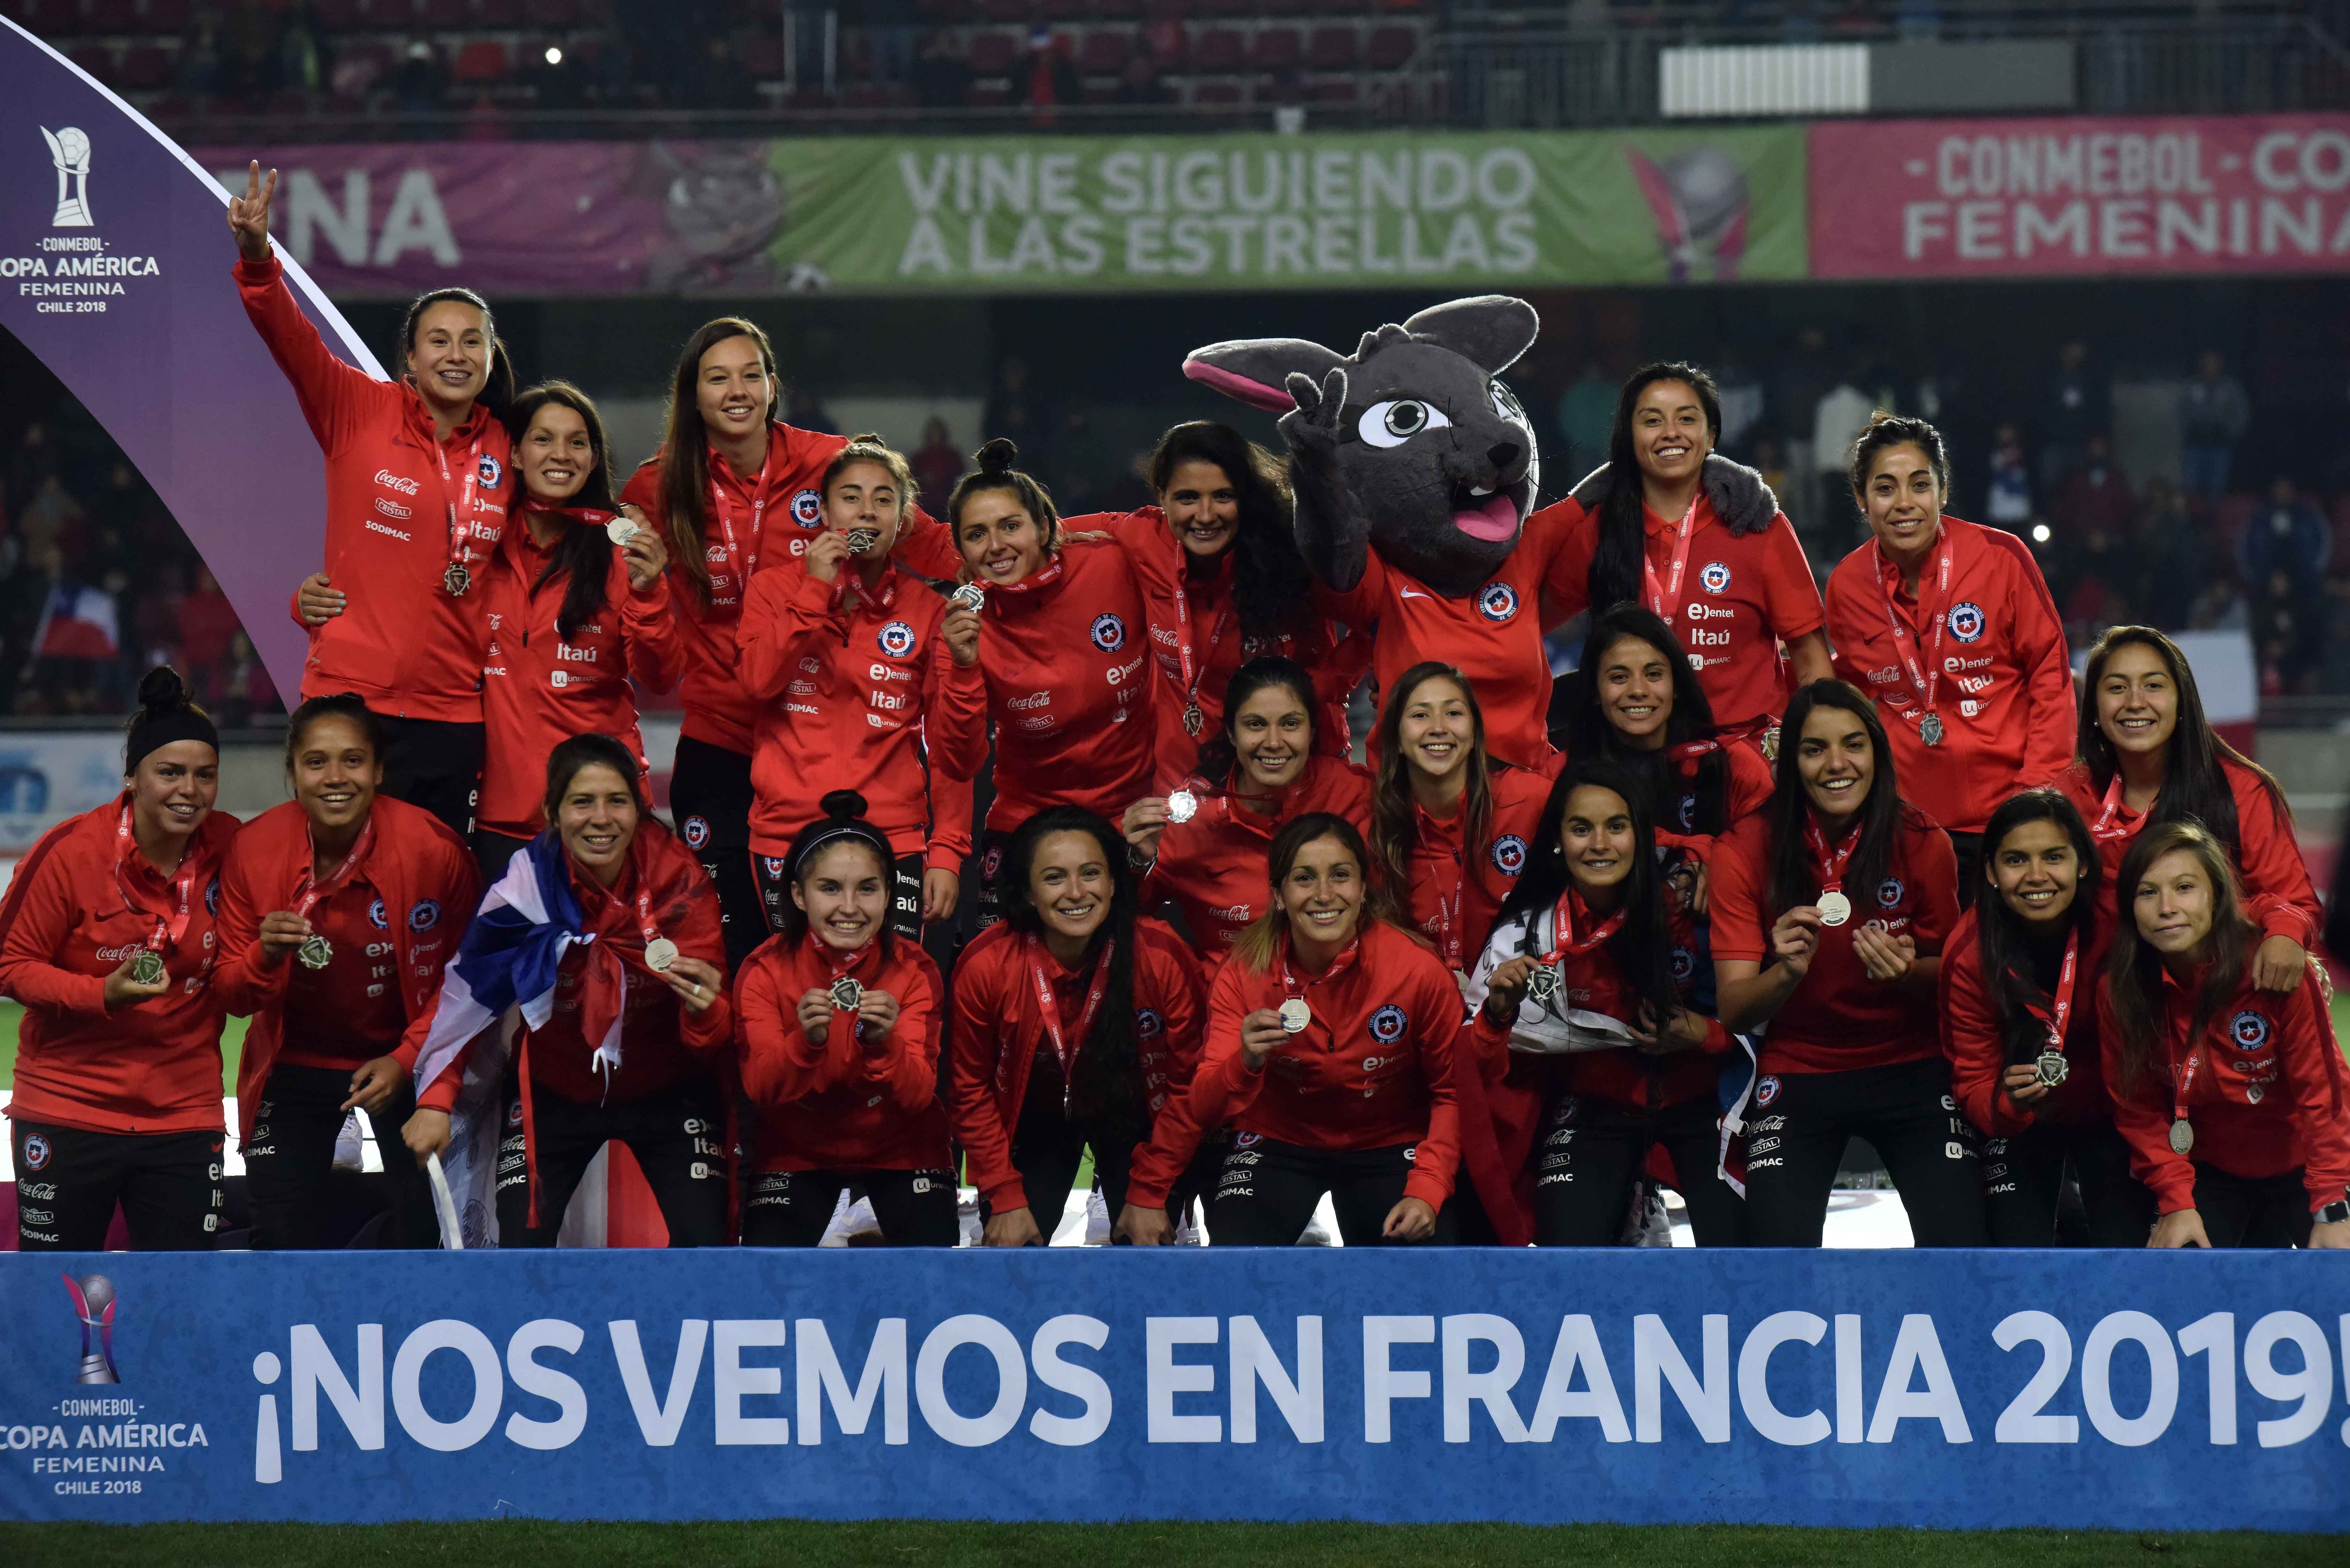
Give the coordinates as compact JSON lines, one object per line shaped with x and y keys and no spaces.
{"x":792,"y":1544}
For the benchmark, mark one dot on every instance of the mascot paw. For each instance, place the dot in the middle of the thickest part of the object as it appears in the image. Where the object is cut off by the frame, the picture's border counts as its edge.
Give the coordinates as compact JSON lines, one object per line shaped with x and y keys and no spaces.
{"x":1312,"y":428}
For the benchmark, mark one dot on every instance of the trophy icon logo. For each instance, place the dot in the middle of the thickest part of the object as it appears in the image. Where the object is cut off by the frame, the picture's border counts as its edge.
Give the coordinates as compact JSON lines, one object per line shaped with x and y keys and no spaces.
{"x":69,"y":150}
{"x":93,"y":1300}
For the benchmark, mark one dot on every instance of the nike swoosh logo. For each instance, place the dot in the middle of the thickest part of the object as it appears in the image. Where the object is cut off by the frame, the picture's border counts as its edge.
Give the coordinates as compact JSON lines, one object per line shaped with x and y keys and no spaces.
{"x":1408,"y":594}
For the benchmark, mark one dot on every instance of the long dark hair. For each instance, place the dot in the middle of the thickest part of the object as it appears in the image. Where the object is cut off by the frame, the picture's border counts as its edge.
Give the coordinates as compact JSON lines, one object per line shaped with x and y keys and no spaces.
{"x":1623,"y":533}
{"x":1792,"y":882}
{"x":2134,"y":969}
{"x":1395,"y":827}
{"x":843,"y":821}
{"x":498,"y":386}
{"x":2194,"y":779}
{"x":1588,"y":733}
{"x":585,"y":553}
{"x":1642,"y":946}
{"x":685,"y":448}
{"x":1107,"y":1080}
{"x":2005,"y":940}
{"x":1260,"y":944}
{"x":1219,"y":760}
{"x":995,"y":471}
{"x":1271,"y":590}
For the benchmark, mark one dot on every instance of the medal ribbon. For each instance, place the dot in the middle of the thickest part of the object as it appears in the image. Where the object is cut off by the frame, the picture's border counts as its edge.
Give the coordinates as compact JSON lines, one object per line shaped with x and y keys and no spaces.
{"x":2105,"y":828}
{"x":1035,"y":579}
{"x":645,"y":915}
{"x":740,"y":563}
{"x":2062,"y":1012}
{"x":1291,"y":986}
{"x":1831,"y":866}
{"x":1193,"y":661}
{"x":1049,"y":1008}
{"x":1665,"y":597}
{"x":1905,"y":642}
{"x":170,"y":928}
{"x":460,"y":506}
{"x":1563,"y":935}
{"x":312,"y":890}
{"x":2182,"y":1083}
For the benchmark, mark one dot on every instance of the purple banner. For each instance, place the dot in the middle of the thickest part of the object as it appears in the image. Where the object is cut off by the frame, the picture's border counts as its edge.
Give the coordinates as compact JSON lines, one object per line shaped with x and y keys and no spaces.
{"x":114,"y":264}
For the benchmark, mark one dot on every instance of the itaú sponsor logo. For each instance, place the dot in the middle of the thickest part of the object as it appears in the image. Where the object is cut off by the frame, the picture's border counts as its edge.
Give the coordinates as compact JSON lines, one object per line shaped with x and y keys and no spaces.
{"x":391,"y":481}
{"x":376,"y":527}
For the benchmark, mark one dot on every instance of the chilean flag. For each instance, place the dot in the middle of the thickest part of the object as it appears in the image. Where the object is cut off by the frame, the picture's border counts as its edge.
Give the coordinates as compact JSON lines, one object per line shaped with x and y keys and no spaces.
{"x":77,"y":623}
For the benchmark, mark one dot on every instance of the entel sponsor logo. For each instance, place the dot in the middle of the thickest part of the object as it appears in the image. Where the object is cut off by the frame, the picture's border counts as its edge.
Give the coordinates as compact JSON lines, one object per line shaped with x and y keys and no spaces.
{"x":390,"y":481}
{"x":1699,"y":610}
{"x":395,"y":533}
{"x":884,"y":672}
{"x":1953,"y":665}
{"x":1122,"y":673}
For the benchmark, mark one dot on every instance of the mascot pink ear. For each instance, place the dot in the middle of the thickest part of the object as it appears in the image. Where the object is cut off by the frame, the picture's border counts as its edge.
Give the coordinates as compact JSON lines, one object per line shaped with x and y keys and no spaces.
{"x":1252,"y":370}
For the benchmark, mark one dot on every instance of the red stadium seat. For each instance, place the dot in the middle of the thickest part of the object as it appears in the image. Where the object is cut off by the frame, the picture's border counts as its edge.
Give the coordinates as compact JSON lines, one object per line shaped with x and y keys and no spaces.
{"x":110,"y":17}
{"x":1218,"y":49}
{"x":1216,"y":92}
{"x":763,"y":55}
{"x":146,"y":67}
{"x":1104,"y":53}
{"x":1333,"y":49}
{"x":1276,"y":49}
{"x":1391,"y":47}
{"x":990,"y":95}
{"x":98,"y":59}
{"x":991,"y":53}
{"x":165,"y":17}
{"x":481,"y":60}
{"x":1336,"y":90}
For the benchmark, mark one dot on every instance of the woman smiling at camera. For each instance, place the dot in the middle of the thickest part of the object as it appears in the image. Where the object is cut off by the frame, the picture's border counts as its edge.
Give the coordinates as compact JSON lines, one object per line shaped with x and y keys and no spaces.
{"x":1829,"y":913}
{"x":1329,"y":1053}
{"x":2234,"y":1098}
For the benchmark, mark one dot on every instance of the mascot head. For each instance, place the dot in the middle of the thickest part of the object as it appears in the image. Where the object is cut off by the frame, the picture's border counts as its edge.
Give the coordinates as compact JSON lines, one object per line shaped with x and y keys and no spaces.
{"x":1433,"y":450}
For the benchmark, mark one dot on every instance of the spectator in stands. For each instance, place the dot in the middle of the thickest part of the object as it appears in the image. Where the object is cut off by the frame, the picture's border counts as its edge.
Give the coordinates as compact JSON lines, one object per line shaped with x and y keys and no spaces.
{"x":2007,"y":494}
{"x":726,"y":82}
{"x":299,"y":54}
{"x":1047,"y":77}
{"x":942,"y":76}
{"x":2221,"y":607}
{"x":889,"y":36}
{"x":206,"y":622}
{"x":2169,"y":555}
{"x":1837,"y":419}
{"x":2289,"y":535}
{"x":937,"y":464}
{"x":2096,"y":497}
{"x":1140,"y":83}
{"x":2079,"y":407}
{"x":2213,"y":415}
{"x":418,"y":85}
{"x":242,"y":692}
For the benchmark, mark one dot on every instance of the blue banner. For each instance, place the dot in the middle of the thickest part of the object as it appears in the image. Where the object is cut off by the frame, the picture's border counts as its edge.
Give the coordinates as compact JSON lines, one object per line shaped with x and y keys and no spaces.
{"x":2133,"y":1390}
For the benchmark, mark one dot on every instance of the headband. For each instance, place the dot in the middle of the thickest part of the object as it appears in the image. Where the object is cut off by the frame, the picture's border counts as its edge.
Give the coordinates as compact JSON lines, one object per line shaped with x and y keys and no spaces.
{"x":837,"y":829}
{"x":161,"y":727}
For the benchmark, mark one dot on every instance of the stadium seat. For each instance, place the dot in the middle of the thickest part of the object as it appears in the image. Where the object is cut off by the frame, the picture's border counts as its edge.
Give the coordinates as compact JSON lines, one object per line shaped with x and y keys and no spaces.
{"x":990,"y":95}
{"x":1224,"y":8}
{"x":165,"y":17}
{"x":481,"y":60}
{"x":502,"y":15}
{"x":445,"y":15}
{"x":762,"y":54}
{"x":146,"y":67}
{"x":110,"y":17}
{"x":1103,"y":52}
{"x":1165,"y":41}
{"x":1218,"y":49}
{"x":1120,"y":10}
{"x":33,"y":15}
{"x":1275,"y":49}
{"x":552,"y":12}
{"x":991,"y":53}
{"x":98,"y":59}
{"x":1065,"y":10}
{"x":1336,"y":90}
{"x":1333,"y":49}
{"x":1391,"y":47}
{"x":340,"y":15}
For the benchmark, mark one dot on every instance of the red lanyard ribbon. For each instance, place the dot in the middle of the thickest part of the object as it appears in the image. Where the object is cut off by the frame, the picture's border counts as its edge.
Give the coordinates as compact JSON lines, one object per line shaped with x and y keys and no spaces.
{"x":1665,"y":597}
{"x":1194,"y":660}
{"x":740,"y":563}
{"x":1831,"y":866}
{"x":1563,"y":935}
{"x":170,"y":928}
{"x":1035,"y":579}
{"x":1049,"y":1008}
{"x":2182,"y":1084}
{"x":2062,"y":1014}
{"x":2105,"y":828}
{"x":312,"y":890}
{"x":1905,"y":642}
{"x":460,"y":504}
{"x":1291,"y":986}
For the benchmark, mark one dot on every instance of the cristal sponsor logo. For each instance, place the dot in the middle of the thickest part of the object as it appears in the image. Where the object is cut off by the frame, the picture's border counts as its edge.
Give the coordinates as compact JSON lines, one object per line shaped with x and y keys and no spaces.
{"x":393,"y":508}
{"x":802,"y":688}
{"x":391,"y":481}
{"x":1037,"y":722}
{"x":376,"y":527}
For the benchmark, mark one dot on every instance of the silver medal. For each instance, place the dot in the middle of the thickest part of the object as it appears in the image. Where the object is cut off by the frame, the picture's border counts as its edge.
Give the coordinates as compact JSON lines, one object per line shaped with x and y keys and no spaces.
{"x":1929,"y":729}
{"x":1183,"y":807}
{"x":457,"y":579}
{"x":1542,"y":986}
{"x":2048,"y":1071}
{"x":861,"y":540}
{"x":659,"y":953}
{"x":2182,"y":1137}
{"x":971,"y":596}
{"x":147,"y":967}
{"x":316,"y":951}
{"x":1295,"y":1015}
{"x":620,"y":530}
{"x":1193,"y":720}
{"x":1835,"y":908}
{"x":846,"y":993}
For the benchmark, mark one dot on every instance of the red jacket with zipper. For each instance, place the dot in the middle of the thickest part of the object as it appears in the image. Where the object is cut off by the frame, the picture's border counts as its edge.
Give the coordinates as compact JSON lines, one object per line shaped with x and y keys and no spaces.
{"x":1214,"y":868}
{"x":402,"y":643}
{"x":999,"y":1028}
{"x":1975,"y":1040}
{"x":1475,"y":879}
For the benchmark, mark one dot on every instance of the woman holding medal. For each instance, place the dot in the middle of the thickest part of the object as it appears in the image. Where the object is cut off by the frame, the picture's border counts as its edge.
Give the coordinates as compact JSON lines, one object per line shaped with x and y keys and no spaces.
{"x":2020,"y":1027}
{"x":1203,"y":849}
{"x":1063,"y":657}
{"x":323,"y":900}
{"x":1329,"y":1052}
{"x":2149,"y":757}
{"x":1449,"y":827}
{"x":107,"y":938}
{"x":1829,"y":911}
{"x":2234,"y":1097}
{"x":416,"y":503}
{"x":635,"y":1042}
{"x":1076,"y":1024}
{"x":577,"y":606}
{"x":863,"y":672}
{"x":839,"y":1051}
{"x":1948,"y":626}
{"x":1589,"y":1049}
{"x":734,"y":489}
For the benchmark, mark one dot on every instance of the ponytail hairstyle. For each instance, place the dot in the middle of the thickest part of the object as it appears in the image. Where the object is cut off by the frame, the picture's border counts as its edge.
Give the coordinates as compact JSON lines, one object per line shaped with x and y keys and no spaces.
{"x":585,"y":552}
{"x":1395,"y":822}
{"x":498,"y":386}
{"x":1107,"y":1080}
{"x":995,"y":472}
{"x":2004,"y":938}
{"x":1220,"y":762}
{"x":591,"y":749}
{"x":1271,"y":590}
{"x":1642,"y":947}
{"x":685,"y":448}
{"x":1886,"y":430}
{"x":2195,"y":786}
{"x":843,"y":821}
{"x":335,"y":705}
{"x":2134,"y":969}
{"x":1587,"y":732}
{"x":166,"y":714}
{"x":1261,"y":943}
{"x":1623,"y":540}
{"x":873,"y":449}
{"x":1793,"y":883}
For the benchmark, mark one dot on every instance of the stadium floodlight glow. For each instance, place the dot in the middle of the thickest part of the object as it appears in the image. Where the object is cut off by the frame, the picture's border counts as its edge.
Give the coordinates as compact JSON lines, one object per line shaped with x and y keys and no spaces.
{"x":2040,"y":532}
{"x":553,"y":56}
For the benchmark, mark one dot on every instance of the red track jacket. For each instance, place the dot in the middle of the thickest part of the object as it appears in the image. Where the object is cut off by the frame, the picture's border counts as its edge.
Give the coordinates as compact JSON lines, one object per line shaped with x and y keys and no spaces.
{"x":1976,"y":1042}
{"x":1454,"y":893}
{"x":1213,"y":868}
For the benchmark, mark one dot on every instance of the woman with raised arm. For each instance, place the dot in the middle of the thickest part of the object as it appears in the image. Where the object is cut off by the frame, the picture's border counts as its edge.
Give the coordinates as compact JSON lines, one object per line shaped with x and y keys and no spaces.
{"x":579,"y":607}
{"x":338,"y":911}
{"x":1829,"y":914}
{"x":2233,"y":1096}
{"x":839,"y":1051}
{"x":864,"y":672}
{"x":417,"y":491}
{"x":107,"y":939}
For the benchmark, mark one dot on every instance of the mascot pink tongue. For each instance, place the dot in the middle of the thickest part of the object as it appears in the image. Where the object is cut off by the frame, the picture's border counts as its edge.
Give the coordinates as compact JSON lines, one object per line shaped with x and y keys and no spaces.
{"x":1497,"y":519}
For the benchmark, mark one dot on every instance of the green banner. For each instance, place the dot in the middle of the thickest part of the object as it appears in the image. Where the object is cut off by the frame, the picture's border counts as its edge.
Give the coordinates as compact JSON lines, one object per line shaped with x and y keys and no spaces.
{"x":1465,"y":211}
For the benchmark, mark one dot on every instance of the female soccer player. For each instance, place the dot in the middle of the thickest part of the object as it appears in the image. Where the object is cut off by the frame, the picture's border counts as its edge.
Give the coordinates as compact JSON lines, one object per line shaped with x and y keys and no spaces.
{"x":1063,"y":654}
{"x":2148,"y":756}
{"x":1948,"y":626}
{"x":634,"y":1046}
{"x":1449,"y":827}
{"x":2020,"y":1026}
{"x":578,"y":606}
{"x":106,"y":938}
{"x":733,"y":490}
{"x":839,"y":1050}
{"x":2234,"y":1097}
{"x":338,"y":911}
{"x":1829,"y":914}
{"x":1204,"y":845}
{"x":1589,"y":1050}
{"x":417,"y":490}
{"x":1076,"y":1024}
{"x":1222,"y":583}
{"x":1329,"y":1051}
{"x":864,"y":672}
{"x":1735,"y":592}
